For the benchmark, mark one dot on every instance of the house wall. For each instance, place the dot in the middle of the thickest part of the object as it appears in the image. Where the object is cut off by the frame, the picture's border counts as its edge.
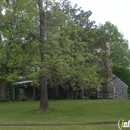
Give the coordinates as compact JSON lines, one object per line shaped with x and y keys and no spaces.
{"x":21,"y":92}
{"x":120,"y":89}
{"x":116,"y":90}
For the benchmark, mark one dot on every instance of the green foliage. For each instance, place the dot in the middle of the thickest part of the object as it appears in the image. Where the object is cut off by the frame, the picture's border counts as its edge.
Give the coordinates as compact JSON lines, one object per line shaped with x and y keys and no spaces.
{"x":119,"y":49}
{"x":24,"y":99}
{"x":74,"y":49}
{"x":37,"y":97}
{"x":123,"y":74}
{"x":119,"y":52}
{"x":57,"y":97}
{"x":79,"y":96}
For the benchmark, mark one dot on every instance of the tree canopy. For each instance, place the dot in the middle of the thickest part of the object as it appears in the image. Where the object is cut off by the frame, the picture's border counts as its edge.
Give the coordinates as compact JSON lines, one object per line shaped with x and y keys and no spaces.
{"x":56,"y":43}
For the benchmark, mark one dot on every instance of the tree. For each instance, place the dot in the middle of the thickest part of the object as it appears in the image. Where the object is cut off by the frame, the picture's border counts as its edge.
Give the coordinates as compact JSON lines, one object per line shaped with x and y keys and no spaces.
{"x":52,"y":42}
{"x":43,"y":78}
{"x":5,"y":44}
{"x":119,"y":50}
{"x":63,"y":51}
{"x":13,"y":22}
{"x":118,"y":45}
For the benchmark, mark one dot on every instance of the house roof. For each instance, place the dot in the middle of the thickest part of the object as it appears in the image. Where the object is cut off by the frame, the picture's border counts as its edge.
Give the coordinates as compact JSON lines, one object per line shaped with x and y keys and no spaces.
{"x":22,"y":82}
{"x":119,"y":80}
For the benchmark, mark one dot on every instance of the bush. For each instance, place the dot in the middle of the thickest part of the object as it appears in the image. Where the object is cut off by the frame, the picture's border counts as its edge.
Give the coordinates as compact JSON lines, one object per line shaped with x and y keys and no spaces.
{"x":38,"y":97}
{"x":24,"y":99}
{"x":8,"y":100}
{"x":57,"y":97}
{"x":92,"y":97}
{"x":3,"y":101}
{"x":79,"y":96}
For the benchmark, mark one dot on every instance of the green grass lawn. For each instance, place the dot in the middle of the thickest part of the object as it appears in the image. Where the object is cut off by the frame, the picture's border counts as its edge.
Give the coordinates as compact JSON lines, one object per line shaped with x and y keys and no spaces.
{"x":62,"y":128}
{"x":65,"y":112}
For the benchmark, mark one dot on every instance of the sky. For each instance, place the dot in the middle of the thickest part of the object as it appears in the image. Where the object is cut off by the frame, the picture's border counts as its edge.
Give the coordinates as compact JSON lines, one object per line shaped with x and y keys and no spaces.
{"x":115,"y":11}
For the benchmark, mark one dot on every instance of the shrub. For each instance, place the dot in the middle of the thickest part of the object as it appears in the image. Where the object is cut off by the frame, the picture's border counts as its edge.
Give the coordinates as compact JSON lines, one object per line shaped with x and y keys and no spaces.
{"x":38,"y":97}
{"x":79,"y":96}
{"x":57,"y":97}
{"x":24,"y":99}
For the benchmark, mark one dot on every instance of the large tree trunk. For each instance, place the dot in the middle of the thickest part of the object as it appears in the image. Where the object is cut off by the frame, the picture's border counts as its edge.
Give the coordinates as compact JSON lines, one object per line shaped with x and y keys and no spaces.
{"x":44,"y":105}
{"x":44,"y":95}
{"x":2,"y":90}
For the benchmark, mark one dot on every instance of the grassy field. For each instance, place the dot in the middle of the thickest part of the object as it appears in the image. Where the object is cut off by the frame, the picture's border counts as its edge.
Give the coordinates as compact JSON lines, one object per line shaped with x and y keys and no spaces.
{"x":65,"y":112}
{"x":63,"y":128}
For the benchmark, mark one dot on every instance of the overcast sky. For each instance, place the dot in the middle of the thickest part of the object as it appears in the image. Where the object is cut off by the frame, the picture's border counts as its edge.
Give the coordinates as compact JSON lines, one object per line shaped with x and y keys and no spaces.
{"x":115,"y":11}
